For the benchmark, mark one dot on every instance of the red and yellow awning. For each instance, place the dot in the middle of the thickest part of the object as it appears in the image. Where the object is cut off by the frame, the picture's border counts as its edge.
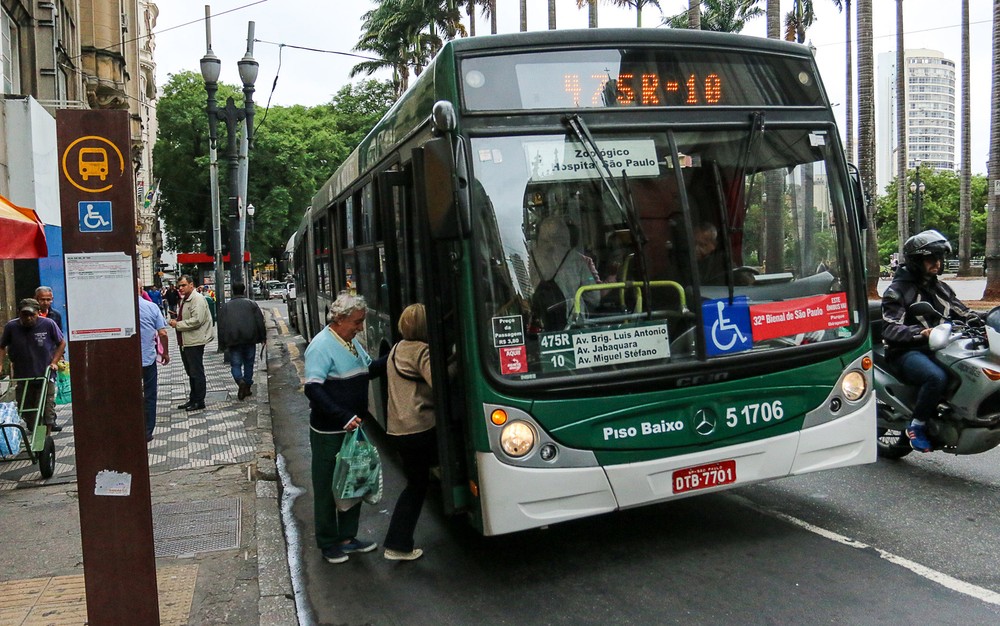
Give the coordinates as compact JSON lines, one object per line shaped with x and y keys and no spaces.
{"x":22,"y":235}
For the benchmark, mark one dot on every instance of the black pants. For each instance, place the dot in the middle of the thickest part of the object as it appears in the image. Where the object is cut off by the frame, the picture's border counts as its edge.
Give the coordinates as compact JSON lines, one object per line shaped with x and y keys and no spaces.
{"x":419,"y":453}
{"x":193,"y":360}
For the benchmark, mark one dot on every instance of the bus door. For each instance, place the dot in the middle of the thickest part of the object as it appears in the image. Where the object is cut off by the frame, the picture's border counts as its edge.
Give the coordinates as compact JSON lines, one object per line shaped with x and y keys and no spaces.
{"x":436,"y":263}
{"x":394,"y":190}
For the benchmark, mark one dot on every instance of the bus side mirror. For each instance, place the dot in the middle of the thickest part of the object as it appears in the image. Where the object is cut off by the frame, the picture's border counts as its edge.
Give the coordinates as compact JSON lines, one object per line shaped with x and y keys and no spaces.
{"x":860,"y":199}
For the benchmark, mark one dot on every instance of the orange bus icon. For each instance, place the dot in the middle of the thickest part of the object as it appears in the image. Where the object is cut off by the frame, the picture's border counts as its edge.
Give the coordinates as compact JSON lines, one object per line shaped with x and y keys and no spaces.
{"x":93,"y":162}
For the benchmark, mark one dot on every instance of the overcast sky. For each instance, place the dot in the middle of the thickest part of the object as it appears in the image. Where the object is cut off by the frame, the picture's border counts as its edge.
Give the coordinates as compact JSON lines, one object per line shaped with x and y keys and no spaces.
{"x":312,"y":77}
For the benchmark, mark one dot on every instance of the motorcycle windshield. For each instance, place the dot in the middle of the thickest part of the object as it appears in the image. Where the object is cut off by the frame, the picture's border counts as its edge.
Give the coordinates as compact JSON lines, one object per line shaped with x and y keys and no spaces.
{"x":688,"y":246}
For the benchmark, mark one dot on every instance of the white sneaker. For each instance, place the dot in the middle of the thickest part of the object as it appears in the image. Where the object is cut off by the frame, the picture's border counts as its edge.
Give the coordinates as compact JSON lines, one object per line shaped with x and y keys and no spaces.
{"x":396,"y":555}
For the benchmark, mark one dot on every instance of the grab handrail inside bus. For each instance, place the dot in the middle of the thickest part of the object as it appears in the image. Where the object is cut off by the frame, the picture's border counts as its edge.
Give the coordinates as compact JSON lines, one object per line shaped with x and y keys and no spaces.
{"x":625,"y":286}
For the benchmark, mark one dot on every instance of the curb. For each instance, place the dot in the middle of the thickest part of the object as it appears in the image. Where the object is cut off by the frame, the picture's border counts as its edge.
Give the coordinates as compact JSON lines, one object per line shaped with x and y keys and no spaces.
{"x":277,"y":600}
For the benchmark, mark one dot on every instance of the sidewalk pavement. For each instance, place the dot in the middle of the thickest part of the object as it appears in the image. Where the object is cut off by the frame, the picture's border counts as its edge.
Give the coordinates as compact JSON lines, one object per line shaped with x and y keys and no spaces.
{"x":220,"y":551}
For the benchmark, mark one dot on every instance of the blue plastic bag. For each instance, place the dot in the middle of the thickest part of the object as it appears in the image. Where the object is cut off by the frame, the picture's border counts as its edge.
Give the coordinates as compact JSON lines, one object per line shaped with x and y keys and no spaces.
{"x":10,"y":438}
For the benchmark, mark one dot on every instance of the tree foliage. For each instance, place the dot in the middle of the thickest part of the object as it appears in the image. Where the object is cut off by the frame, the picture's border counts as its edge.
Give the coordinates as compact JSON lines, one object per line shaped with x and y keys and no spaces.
{"x":940,"y":211}
{"x":295,"y":150}
{"x":721,"y":16}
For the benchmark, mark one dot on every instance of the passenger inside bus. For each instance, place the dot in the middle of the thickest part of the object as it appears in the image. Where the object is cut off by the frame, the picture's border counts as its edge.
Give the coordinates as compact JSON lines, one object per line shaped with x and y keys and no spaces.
{"x":558,"y":270}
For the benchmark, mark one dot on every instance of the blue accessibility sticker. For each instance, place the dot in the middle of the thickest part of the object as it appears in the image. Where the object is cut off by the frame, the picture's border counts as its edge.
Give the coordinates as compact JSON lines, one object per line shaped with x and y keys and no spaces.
{"x":95,"y":216}
{"x":726,"y":325}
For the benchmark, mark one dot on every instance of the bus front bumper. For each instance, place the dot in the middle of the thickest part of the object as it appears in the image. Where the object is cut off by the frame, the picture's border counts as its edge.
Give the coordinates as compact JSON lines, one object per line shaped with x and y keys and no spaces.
{"x":518,"y":498}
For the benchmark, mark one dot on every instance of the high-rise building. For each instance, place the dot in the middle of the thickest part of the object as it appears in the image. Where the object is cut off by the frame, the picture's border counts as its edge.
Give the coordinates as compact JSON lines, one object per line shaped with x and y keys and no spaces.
{"x":930,"y":112}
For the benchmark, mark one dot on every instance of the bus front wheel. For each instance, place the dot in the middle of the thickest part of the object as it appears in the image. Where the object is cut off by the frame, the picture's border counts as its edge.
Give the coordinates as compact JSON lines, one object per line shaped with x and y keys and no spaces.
{"x":892,"y":444}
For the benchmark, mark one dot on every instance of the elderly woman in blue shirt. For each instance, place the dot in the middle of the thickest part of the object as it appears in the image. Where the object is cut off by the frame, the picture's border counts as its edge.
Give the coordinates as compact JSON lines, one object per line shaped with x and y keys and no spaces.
{"x":337,"y":371}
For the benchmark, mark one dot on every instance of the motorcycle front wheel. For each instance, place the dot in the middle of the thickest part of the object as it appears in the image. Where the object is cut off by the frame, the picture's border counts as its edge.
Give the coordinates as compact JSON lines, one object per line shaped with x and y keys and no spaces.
{"x":892,"y":444}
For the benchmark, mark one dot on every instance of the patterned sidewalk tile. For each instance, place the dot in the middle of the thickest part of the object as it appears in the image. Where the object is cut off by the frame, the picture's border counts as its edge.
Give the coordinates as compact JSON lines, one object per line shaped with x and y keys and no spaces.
{"x":218,"y":435}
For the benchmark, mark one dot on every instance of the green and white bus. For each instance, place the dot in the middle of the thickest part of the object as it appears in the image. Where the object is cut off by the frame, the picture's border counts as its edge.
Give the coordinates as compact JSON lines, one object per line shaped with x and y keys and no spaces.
{"x":643,"y":247}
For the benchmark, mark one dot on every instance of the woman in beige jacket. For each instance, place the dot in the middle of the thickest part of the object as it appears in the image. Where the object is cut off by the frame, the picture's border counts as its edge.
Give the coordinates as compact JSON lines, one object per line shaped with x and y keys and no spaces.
{"x":410,"y":427}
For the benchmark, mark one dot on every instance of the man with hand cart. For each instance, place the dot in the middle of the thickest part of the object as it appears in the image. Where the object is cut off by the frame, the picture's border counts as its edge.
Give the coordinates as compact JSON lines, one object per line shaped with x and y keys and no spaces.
{"x":35,"y":345}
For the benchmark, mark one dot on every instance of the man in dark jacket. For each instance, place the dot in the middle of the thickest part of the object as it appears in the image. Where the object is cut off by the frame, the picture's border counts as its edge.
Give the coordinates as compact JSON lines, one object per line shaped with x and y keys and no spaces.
{"x":906,"y":335}
{"x":241,"y":328}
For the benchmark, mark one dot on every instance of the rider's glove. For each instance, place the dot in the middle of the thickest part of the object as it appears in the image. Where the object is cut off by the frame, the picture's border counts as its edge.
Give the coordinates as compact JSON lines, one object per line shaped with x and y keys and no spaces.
{"x":975,"y":322}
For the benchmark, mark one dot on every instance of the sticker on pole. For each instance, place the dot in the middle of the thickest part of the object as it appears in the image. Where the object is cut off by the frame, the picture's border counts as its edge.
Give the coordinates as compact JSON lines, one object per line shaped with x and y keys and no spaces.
{"x":726,"y":325}
{"x":95,"y":216}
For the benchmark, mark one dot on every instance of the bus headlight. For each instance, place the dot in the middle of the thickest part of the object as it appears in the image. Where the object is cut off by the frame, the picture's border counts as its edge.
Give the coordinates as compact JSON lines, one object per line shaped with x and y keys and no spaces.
{"x":517,"y":438}
{"x":854,"y":385}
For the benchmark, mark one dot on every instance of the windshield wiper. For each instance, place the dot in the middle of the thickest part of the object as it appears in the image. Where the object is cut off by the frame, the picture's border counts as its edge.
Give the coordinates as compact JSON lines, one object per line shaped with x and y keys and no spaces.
{"x":623,"y":200}
{"x":752,"y":145}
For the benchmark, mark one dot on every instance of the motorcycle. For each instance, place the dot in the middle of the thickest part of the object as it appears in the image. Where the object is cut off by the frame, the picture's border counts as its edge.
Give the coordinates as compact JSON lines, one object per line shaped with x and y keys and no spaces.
{"x":968,"y":419}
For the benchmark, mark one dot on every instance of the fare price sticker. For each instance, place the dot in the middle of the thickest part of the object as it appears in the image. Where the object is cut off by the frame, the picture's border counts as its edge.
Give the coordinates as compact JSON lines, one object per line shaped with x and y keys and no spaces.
{"x":562,"y":351}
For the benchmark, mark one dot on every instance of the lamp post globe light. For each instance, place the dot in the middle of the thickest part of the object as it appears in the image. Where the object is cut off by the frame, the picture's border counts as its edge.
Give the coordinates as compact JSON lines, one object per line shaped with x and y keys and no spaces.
{"x":232,"y":117}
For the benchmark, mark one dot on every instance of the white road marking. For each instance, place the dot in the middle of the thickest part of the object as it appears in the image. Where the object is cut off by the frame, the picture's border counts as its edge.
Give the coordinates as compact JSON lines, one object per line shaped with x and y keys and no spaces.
{"x":950,"y":582}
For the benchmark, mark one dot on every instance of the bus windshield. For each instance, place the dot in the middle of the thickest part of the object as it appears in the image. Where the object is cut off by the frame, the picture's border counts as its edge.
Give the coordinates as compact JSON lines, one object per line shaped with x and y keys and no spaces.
{"x":663,"y":249}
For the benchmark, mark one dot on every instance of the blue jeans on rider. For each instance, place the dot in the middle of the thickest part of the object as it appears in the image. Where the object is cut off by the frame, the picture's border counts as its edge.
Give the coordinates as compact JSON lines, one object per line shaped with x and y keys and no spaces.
{"x":241,"y":358}
{"x":920,"y":370}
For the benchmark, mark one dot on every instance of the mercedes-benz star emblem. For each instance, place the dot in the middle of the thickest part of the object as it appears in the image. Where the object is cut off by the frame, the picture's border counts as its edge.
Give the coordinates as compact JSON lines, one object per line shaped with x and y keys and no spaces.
{"x":704,"y":422}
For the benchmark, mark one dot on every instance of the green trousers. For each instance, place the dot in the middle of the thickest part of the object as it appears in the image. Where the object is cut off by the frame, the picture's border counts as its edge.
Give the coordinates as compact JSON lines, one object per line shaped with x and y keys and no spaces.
{"x":333,"y":527}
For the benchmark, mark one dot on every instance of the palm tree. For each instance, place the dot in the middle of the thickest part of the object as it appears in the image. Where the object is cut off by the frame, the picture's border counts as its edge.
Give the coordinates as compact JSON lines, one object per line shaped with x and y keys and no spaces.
{"x":965,"y":175}
{"x":492,"y":8}
{"x":638,"y":5}
{"x":774,"y":236}
{"x":404,"y":34}
{"x":866,"y":134}
{"x":902,"y":215}
{"x":524,"y":15}
{"x":470,"y":10}
{"x":552,"y":14}
{"x":720,"y":16}
{"x":993,"y":186}
{"x":592,"y":5}
{"x":773,"y":19}
{"x":694,"y":14}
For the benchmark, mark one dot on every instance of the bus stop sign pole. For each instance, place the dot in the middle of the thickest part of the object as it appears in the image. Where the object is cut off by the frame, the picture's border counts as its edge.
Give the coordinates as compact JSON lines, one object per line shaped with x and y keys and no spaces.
{"x":97,"y":200}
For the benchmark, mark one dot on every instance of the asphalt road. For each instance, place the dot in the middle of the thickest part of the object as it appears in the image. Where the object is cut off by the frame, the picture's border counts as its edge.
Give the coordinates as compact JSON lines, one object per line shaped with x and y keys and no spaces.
{"x":784,"y":552}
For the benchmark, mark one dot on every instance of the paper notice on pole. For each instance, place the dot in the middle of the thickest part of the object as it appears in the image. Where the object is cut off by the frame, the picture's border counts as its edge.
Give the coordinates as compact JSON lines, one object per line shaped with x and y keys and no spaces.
{"x":100,"y":295}
{"x":112,"y":483}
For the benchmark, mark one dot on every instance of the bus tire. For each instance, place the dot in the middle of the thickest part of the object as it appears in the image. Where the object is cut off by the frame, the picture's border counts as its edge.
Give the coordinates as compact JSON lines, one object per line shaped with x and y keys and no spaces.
{"x":47,"y":458}
{"x":892,"y":444}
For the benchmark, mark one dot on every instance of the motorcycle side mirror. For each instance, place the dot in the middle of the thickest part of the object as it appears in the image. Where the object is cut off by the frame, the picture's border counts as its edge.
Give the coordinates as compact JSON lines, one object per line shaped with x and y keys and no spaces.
{"x":940,"y":337}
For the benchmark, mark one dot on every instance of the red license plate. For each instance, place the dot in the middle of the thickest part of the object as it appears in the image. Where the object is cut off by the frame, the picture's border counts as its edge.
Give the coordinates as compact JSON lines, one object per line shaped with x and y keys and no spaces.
{"x":704,"y":476}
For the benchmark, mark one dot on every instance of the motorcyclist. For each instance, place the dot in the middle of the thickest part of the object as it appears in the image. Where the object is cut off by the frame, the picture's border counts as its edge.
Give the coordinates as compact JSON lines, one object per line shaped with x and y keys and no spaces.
{"x":906,"y":335}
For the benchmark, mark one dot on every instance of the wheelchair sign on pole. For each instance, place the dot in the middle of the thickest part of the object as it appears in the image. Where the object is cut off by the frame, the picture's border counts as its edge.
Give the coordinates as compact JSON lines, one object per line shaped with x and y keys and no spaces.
{"x":95,"y":216}
{"x":726,"y":325}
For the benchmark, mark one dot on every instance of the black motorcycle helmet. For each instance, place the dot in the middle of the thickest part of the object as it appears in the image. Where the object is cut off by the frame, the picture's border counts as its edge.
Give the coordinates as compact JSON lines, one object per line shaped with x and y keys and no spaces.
{"x":924,"y":245}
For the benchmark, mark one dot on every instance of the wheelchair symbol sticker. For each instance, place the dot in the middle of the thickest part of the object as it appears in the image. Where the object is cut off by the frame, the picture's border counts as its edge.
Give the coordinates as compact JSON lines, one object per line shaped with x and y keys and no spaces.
{"x":726,"y":325}
{"x":95,"y":216}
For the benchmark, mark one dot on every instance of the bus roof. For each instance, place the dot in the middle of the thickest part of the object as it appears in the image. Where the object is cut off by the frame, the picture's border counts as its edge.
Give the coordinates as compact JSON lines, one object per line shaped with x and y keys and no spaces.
{"x":412,"y":110}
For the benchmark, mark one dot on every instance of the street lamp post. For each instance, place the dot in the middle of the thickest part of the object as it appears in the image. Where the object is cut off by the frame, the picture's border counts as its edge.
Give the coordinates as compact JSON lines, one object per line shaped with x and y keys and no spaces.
{"x":211,"y":67}
{"x":917,"y":189}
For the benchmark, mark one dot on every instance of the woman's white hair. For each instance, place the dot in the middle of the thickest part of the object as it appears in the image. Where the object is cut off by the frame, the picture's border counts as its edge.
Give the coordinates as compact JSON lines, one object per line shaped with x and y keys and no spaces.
{"x":344,"y":306}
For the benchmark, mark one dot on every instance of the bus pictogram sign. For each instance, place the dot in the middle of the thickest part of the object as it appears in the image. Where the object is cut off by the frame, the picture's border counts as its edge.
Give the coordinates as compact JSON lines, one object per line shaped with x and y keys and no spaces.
{"x":92,"y":164}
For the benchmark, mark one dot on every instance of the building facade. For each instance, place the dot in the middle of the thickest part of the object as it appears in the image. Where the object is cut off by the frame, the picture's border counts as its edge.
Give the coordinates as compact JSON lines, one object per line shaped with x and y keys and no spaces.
{"x":59,"y":54}
{"x":930,"y":112}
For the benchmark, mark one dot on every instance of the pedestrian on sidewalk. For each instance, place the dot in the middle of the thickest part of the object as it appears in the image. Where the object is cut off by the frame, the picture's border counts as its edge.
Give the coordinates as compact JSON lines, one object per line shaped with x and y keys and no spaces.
{"x":44,"y":296}
{"x":241,"y":328}
{"x":151,"y":325}
{"x":172,"y":298}
{"x":35,"y":345}
{"x":410,"y":426}
{"x":194,"y":329}
{"x":337,"y":371}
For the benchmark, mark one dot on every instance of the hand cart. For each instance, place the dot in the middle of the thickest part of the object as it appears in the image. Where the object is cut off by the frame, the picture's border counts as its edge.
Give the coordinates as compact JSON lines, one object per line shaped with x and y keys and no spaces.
{"x":38,"y":443}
